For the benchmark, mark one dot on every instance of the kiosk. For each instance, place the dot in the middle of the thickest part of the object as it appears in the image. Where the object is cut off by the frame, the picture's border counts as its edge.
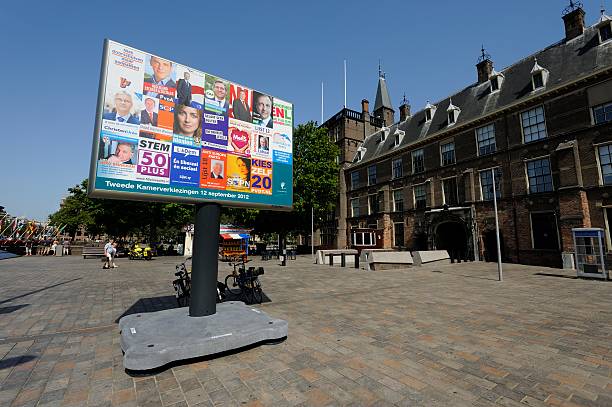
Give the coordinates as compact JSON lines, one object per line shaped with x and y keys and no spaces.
{"x":589,"y":246}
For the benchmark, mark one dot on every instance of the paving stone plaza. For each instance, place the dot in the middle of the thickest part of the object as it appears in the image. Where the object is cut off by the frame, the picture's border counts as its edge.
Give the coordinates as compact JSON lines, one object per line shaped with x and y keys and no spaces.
{"x":447,"y":335}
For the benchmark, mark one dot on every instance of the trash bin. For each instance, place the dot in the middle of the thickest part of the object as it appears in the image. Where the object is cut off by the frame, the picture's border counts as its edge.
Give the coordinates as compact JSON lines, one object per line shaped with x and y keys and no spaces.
{"x":59,"y":250}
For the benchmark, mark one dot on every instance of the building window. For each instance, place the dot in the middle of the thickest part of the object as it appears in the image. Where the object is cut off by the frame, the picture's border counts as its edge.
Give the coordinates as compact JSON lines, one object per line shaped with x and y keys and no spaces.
{"x":418,"y":161}
{"x":398,"y":137}
{"x":494,"y":84}
{"x":355,"y":207}
{"x":420,"y":197}
{"x":430,"y":110}
{"x":538,"y":81}
{"x":447,"y":152}
{"x":354,"y":179}
{"x":364,"y":238}
{"x":398,"y":200}
{"x":453,"y":112}
{"x":605,"y":32}
{"x":372,"y":175}
{"x":544,"y":231}
{"x":539,"y":176}
{"x":486,"y":139}
{"x":372,"y":204}
{"x":605,"y":163}
{"x":602,"y":113}
{"x":486,"y":184}
{"x":398,"y":234}
{"x":396,"y":168}
{"x":534,"y":125}
{"x":449,"y":189}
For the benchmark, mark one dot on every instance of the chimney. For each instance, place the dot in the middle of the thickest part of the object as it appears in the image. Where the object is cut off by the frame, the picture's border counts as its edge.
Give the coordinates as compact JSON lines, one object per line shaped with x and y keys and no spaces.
{"x":365,"y":106}
{"x":484,"y":67}
{"x":574,"y":21}
{"x":404,"y":109}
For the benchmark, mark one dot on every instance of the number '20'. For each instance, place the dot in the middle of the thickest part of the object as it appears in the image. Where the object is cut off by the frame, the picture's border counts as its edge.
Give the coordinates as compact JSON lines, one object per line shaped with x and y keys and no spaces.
{"x":259,"y":182}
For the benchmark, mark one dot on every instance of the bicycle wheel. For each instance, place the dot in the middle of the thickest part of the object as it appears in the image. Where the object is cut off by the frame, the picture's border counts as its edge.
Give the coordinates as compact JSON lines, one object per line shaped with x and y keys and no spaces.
{"x":181,"y":298}
{"x":257,"y":291}
{"x":232,"y":285}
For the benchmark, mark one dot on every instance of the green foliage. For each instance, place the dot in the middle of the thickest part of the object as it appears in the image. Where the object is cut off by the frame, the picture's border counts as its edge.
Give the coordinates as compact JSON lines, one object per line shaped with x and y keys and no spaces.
{"x":121,"y":219}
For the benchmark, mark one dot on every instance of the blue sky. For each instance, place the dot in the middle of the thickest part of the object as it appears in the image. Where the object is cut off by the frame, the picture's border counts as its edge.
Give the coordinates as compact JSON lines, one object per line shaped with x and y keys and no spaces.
{"x":51,"y":54}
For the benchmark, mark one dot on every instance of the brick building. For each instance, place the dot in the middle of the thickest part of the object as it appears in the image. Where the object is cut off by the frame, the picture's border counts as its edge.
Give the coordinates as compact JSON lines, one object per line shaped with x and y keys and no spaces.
{"x":542,"y":127}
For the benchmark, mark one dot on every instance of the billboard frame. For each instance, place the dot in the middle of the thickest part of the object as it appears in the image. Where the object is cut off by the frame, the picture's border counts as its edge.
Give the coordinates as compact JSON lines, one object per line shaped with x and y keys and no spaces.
{"x":94,"y":192}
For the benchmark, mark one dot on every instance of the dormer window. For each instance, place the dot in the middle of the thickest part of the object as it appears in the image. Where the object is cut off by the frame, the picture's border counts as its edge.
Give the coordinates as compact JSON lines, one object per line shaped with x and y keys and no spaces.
{"x":430,"y":110}
{"x":383,"y":134}
{"x":453,"y":112}
{"x":495,"y":81}
{"x":399,"y":135}
{"x":539,"y":76}
{"x":359,"y":155}
{"x":494,"y":84}
{"x":604,"y":27}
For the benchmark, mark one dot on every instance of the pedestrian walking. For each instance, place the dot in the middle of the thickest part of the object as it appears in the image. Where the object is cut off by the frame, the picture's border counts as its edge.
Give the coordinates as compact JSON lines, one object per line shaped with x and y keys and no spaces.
{"x":108,"y":252}
{"x":28,"y":247}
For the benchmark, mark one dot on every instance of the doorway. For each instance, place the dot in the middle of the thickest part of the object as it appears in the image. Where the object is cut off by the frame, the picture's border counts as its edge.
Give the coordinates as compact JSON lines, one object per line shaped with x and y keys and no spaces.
{"x":452,"y":236}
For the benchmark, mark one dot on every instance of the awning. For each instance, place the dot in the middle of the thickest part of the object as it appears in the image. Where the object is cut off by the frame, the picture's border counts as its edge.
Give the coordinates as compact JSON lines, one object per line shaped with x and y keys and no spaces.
{"x":234,"y":236}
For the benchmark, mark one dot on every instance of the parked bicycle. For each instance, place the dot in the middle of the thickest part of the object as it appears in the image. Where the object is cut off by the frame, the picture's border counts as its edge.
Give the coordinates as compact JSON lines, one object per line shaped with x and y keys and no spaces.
{"x":244,"y":283}
{"x":182,"y":285}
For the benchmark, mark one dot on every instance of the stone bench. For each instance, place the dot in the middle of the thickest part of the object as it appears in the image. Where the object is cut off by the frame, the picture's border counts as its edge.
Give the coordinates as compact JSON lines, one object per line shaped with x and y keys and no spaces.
{"x":379,"y":260}
{"x":365,"y":254}
{"x":323,"y":256}
{"x":93,"y":252}
{"x":430,"y":256}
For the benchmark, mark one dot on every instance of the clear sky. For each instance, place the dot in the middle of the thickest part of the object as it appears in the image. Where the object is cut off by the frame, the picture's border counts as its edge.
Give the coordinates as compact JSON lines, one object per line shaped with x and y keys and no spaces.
{"x":50,"y":53}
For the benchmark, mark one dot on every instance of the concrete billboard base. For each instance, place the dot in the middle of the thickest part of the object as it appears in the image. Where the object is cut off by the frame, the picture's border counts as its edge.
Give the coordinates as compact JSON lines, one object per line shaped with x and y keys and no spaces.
{"x":152,"y":340}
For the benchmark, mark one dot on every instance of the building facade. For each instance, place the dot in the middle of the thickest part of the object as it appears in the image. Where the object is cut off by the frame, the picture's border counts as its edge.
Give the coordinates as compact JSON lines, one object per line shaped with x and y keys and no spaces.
{"x":538,"y":132}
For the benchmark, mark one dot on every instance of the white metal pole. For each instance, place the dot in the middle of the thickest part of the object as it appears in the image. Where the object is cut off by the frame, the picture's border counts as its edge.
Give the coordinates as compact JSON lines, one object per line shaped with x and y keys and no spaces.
{"x":499,"y":259}
{"x":312,"y":231}
{"x":321,"y":102}
{"x":345,"y":83}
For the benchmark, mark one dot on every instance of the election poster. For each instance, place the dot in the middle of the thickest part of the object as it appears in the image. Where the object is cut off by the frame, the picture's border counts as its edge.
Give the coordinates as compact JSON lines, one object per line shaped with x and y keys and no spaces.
{"x":213,"y":173}
{"x":241,"y":103}
{"x":238,"y":173}
{"x":169,"y":132}
{"x":239,"y":137}
{"x":185,"y":167}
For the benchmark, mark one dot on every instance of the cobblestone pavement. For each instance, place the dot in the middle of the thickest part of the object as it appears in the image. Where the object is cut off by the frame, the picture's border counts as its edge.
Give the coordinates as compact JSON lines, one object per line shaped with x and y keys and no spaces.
{"x":435,"y":336}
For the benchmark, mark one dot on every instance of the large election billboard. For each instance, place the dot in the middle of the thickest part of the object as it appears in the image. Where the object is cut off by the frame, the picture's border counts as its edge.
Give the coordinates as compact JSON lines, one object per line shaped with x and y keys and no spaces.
{"x":168,"y":132}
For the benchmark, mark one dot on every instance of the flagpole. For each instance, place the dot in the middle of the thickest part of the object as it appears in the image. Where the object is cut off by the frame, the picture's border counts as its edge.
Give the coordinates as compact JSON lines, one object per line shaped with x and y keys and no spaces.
{"x":312,"y":231}
{"x":321,"y":102}
{"x":499,"y":259}
{"x":345,"y":83}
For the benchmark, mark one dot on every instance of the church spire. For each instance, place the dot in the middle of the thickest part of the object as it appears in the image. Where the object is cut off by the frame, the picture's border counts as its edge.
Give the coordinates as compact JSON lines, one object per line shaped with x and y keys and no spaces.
{"x":382,"y":106}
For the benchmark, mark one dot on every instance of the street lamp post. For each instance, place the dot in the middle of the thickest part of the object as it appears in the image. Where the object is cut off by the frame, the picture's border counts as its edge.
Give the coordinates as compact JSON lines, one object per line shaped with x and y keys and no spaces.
{"x":499,"y":259}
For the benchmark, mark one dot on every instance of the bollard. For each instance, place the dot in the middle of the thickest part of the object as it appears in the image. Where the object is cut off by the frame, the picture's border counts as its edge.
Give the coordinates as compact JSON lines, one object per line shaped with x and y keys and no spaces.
{"x":357,"y":260}
{"x":342,"y":260}
{"x":331,"y":259}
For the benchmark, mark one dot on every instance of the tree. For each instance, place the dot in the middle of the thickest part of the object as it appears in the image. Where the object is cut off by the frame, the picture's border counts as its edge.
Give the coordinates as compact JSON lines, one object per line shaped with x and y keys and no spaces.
{"x":315,"y":183}
{"x":120,"y":218}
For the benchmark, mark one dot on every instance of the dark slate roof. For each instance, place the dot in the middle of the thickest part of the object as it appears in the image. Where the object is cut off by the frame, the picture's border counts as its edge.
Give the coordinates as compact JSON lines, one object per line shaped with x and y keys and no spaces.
{"x":565,"y":61}
{"x":382,"y":95}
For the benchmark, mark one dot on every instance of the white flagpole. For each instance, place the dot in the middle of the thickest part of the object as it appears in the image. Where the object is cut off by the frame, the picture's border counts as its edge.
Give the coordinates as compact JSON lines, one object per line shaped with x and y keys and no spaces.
{"x":312,"y":231}
{"x":321,"y":102}
{"x":499,"y":259}
{"x":345,"y":83}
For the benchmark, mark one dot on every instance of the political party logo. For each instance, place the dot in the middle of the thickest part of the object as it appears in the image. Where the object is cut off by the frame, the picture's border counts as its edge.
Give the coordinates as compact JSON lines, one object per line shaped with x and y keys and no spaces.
{"x":153,"y":161}
{"x":185,"y":168}
{"x":261,"y":177}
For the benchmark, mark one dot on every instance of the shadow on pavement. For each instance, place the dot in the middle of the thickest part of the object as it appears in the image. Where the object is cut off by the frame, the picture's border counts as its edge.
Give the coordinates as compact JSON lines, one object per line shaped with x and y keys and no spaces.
{"x":556,"y":275}
{"x":39,"y":290}
{"x":151,"y":304}
{"x":15,"y":361}
{"x":12,"y":308}
{"x":465,"y":275}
